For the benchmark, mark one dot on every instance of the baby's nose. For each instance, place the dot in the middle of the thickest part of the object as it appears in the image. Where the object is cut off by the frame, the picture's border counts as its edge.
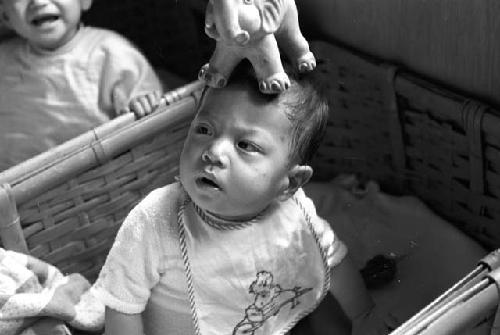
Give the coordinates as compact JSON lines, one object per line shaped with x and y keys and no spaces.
{"x":215,"y":154}
{"x":206,"y":156}
{"x":38,"y":3}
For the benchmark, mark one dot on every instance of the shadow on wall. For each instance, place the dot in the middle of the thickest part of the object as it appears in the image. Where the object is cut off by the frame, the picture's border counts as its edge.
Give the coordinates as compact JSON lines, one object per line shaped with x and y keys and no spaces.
{"x":454,"y":42}
{"x":168,"y":32}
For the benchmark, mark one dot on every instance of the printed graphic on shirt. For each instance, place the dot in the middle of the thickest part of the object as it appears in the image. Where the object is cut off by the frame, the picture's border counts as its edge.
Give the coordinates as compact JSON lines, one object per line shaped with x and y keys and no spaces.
{"x":269,"y":299}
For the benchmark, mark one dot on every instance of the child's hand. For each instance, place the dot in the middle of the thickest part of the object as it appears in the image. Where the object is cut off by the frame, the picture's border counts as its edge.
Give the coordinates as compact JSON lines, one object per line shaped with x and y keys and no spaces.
{"x":374,"y":322}
{"x":143,"y":105}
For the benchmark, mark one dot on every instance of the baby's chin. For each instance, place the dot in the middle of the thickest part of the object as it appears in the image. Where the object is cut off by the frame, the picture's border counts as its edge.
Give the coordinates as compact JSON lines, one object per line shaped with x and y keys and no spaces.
{"x":217,"y":201}
{"x":54,"y":40}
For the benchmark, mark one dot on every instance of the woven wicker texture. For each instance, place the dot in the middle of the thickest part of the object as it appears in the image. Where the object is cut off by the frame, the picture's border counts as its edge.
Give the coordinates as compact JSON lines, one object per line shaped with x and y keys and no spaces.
{"x":71,"y":202}
{"x":414,"y":138}
{"x":360,"y":97}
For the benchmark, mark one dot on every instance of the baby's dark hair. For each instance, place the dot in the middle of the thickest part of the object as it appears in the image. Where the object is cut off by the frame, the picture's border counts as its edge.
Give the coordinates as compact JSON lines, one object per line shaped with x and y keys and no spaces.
{"x":303,"y":103}
{"x":307,"y":109}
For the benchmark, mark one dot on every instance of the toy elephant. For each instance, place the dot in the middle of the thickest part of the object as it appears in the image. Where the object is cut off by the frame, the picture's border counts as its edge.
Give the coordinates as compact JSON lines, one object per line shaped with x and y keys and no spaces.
{"x":253,"y":29}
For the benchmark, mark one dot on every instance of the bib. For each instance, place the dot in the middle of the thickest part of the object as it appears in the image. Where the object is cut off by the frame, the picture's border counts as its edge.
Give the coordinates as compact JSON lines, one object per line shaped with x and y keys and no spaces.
{"x":259,"y":278}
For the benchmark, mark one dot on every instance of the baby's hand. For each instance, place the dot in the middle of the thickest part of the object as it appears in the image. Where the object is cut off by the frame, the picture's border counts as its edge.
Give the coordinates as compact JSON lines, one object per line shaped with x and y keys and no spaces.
{"x":374,"y":322}
{"x":143,"y":105}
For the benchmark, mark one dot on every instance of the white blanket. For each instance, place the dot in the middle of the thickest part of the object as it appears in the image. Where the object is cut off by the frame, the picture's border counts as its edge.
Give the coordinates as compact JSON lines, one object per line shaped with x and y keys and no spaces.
{"x":37,"y":299}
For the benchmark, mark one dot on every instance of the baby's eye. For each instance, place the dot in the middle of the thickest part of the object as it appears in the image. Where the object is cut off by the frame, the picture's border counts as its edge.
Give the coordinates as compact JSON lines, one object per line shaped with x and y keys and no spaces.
{"x":202,"y":129}
{"x":247,"y":146}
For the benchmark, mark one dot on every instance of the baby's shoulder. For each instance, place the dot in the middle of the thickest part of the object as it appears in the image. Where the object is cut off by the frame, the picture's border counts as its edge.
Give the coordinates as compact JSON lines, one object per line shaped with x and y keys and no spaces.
{"x":154,"y":215}
{"x":163,"y":202}
{"x":304,"y":202}
{"x":319,"y":225}
{"x":105,"y":39}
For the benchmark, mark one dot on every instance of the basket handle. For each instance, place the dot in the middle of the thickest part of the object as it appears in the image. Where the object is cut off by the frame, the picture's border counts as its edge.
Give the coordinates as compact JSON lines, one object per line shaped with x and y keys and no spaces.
{"x":11,"y":233}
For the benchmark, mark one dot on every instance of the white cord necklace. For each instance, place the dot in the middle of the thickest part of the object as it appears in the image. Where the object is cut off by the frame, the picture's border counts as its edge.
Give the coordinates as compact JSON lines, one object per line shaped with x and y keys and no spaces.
{"x":219,"y":223}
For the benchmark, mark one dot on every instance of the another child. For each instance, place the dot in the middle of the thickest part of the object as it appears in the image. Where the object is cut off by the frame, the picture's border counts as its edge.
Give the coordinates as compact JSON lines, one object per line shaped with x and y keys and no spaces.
{"x":59,"y":79}
{"x":235,"y":246}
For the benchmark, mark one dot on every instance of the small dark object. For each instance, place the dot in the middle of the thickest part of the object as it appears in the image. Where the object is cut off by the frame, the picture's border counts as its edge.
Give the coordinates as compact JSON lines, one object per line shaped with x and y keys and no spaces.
{"x":378,"y":271}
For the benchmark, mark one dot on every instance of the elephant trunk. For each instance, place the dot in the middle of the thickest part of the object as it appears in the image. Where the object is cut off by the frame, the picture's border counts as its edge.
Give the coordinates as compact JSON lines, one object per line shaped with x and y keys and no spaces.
{"x":226,"y":17}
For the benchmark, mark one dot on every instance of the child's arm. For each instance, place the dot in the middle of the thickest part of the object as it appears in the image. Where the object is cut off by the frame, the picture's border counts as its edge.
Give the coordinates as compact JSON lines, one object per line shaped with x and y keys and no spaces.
{"x":124,"y":73}
{"x":117,"y":323}
{"x":348,"y":288}
{"x":130,"y":270}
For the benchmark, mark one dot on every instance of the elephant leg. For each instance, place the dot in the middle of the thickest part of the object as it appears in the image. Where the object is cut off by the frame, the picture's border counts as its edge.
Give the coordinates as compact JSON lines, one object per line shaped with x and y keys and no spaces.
{"x":265,"y":58}
{"x":217,"y":71}
{"x":293,"y":43}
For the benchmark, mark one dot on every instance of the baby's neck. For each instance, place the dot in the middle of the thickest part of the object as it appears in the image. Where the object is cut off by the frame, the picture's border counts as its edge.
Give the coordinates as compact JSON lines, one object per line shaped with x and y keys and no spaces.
{"x":228,"y":222}
{"x":237,"y":218}
{"x":59,"y":46}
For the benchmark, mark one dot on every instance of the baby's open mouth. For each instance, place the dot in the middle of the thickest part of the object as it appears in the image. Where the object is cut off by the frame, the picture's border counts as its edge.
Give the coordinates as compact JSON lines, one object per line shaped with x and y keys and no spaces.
{"x":46,"y":18}
{"x":204,"y":181}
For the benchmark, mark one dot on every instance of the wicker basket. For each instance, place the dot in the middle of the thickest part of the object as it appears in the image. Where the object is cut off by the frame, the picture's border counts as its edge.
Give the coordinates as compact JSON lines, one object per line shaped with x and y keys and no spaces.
{"x":414,"y":138}
{"x":411,"y":136}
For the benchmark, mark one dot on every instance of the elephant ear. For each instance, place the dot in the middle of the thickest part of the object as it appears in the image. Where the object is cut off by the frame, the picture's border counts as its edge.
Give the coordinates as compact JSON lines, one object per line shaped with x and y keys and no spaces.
{"x":272,"y":12}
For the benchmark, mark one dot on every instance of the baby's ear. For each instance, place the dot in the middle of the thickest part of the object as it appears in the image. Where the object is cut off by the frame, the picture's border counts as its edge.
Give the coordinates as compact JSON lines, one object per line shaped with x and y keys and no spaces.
{"x":297,"y":177}
{"x":85,"y":4}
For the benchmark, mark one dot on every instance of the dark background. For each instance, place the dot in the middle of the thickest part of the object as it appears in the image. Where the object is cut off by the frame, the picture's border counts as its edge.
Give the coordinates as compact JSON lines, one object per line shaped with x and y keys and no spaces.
{"x":169,"y":32}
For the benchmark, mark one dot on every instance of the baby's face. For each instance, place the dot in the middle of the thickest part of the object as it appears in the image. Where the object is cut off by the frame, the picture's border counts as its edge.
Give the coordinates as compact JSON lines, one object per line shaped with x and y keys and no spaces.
{"x":235,"y":160}
{"x":46,"y":24}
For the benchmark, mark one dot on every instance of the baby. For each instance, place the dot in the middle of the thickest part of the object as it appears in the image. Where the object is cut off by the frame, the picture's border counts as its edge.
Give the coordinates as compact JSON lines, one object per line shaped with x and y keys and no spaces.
{"x":59,"y":78}
{"x":235,"y":246}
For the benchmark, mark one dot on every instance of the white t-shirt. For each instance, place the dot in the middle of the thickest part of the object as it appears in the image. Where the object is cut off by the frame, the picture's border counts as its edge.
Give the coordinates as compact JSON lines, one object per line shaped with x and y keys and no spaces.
{"x":145,"y":271}
{"x":49,"y":97}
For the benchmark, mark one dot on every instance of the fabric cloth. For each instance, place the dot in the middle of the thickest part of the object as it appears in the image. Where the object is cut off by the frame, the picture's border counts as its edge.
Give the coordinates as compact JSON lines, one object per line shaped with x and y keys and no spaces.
{"x":48,"y":97}
{"x":145,"y":270}
{"x":37,"y":299}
